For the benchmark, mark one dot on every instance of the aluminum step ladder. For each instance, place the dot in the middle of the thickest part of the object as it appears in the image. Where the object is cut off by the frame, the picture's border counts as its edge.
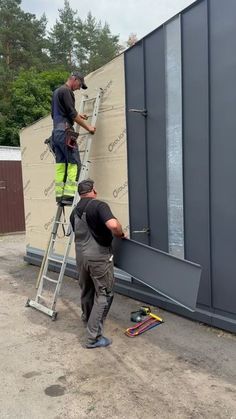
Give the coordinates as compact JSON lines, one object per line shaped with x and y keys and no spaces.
{"x":42,"y":303}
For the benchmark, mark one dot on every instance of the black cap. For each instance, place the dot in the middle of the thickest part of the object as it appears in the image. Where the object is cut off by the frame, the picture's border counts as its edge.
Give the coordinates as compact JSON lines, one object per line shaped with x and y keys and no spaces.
{"x":85,"y":186}
{"x":79,"y":76}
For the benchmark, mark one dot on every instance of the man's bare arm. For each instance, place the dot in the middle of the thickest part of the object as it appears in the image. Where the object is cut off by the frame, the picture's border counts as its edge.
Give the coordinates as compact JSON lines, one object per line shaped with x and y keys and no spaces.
{"x":83,"y":124}
{"x":115,"y":227}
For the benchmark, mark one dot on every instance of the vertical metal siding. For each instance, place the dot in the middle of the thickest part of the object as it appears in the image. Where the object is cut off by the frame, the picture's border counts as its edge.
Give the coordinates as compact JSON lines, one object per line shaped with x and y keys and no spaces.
{"x":174,"y":145}
{"x":156,"y":138}
{"x":137,"y":142}
{"x":223,"y":152}
{"x":11,"y":197}
{"x":209,"y":151}
{"x":196,"y":143}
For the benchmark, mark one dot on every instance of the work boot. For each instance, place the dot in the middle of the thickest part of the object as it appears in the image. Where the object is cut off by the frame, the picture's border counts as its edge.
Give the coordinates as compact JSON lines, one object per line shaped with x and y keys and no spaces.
{"x":67,"y":200}
{"x":58,"y":200}
{"x":100,"y":343}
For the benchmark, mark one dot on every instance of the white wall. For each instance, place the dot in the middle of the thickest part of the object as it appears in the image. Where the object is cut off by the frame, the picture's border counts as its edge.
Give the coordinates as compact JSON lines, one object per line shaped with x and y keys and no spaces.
{"x":10,"y":153}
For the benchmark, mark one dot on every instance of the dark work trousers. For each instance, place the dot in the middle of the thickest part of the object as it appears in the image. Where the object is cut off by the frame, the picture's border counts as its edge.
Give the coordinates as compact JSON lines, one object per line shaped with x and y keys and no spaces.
{"x":96,"y":278}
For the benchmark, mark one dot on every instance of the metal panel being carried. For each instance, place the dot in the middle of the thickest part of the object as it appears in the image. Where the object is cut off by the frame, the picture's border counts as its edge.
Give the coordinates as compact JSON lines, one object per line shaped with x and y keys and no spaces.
{"x":176,"y":279}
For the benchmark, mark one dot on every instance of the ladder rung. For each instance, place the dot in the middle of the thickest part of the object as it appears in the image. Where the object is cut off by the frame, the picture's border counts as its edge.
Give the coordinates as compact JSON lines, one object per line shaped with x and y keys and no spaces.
{"x":50,"y":279}
{"x":88,"y":100}
{"x":43,"y":298}
{"x":54,"y":259}
{"x":61,"y":222}
{"x":42,"y":308}
{"x":84,"y":166}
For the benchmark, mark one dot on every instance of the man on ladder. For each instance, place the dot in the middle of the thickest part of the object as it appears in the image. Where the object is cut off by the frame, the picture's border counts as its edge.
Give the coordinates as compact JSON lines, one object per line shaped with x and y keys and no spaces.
{"x":42,"y":301}
{"x":64,"y":143}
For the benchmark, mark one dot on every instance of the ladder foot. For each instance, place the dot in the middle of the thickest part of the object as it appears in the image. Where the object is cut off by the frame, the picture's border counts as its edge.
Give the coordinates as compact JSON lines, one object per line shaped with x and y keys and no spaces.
{"x":54,"y":316}
{"x":43,"y":308}
{"x":27,"y":303}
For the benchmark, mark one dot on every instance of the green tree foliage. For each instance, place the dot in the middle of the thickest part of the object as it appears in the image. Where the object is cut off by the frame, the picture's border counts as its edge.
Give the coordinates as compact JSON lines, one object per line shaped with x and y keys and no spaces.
{"x":22,"y":45}
{"x":95,"y":44}
{"x":33,"y":63}
{"x":107,"y":48}
{"x":86,"y":39}
{"x":84,"y":44}
{"x":32,"y":92}
{"x":30,"y":100}
{"x":62,"y":38}
{"x":22,"y":37}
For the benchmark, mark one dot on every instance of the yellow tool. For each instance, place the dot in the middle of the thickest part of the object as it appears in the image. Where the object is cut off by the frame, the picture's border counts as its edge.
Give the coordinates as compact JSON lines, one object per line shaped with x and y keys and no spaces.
{"x":148,"y":323}
{"x":156,"y":317}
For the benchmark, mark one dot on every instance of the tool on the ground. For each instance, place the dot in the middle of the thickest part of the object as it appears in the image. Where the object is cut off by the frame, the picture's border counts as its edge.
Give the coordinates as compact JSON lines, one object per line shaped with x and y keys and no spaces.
{"x":152,"y":320}
{"x":137,"y":316}
{"x":41,"y":303}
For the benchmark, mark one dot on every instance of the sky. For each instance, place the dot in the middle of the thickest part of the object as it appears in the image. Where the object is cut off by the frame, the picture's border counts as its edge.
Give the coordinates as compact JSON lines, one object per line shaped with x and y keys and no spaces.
{"x":123,"y":16}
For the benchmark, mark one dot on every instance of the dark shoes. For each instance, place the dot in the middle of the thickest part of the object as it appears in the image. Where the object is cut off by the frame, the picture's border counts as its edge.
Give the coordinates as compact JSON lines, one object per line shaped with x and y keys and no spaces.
{"x":100,"y":343}
{"x":65,"y":200}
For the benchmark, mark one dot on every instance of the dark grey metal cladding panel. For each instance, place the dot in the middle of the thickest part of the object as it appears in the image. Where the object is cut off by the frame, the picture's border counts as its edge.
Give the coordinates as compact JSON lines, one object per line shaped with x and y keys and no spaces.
{"x":136,"y":141}
{"x":156,"y":138}
{"x":223,"y":152}
{"x":174,"y":278}
{"x":196,"y":143}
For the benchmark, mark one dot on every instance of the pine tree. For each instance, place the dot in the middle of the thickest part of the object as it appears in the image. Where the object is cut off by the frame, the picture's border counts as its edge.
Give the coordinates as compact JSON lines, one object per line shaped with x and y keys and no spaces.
{"x":62,"y":37}
{"x":95,"y":44}
{"x":10,"y":16}
{"x":22,"y":37}
{"x":106,"y":49}
{"x":86,"y":41}
{"x":26,"y":52}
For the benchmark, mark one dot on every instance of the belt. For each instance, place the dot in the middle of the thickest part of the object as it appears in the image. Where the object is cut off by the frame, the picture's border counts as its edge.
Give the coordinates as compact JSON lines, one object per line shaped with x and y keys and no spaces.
{"x":62,"y":125}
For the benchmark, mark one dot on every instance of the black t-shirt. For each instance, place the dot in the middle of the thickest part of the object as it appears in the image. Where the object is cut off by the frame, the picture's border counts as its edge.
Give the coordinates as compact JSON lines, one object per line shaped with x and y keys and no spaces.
{"x":97,"y":213}
{"x":63,"y":104}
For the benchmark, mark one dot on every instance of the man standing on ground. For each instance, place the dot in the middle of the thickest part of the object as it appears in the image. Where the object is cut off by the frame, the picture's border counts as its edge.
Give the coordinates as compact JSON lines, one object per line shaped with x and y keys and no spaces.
{"x":64,"y":142}
{"x":94,"y":226}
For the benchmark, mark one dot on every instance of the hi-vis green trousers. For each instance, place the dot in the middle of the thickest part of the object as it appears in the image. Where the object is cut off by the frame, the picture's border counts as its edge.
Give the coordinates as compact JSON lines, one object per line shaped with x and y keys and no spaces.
{"x":67,"y":166}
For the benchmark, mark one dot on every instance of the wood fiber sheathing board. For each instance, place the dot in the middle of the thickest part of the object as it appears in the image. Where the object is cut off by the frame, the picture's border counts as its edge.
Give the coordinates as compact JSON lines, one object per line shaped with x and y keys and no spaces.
{"x":38,"y":182}
{"x":110,"y":139}
{"x":32,"y":138}
{"x":108,"y":157}
{"x":39,"y":223}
